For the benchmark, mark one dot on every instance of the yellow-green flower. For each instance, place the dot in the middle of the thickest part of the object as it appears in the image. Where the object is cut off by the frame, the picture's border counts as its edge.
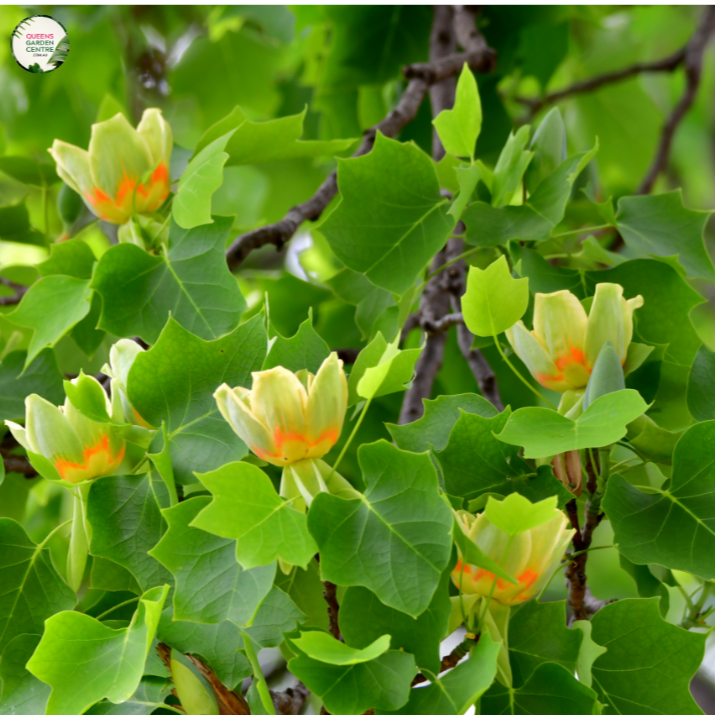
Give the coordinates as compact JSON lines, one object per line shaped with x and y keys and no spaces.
{"x":529,"y":556}
{"x":563,"y":346}
{"x":76,"y":446}
{"x":125,"y":171}
{"x":287,"y":417}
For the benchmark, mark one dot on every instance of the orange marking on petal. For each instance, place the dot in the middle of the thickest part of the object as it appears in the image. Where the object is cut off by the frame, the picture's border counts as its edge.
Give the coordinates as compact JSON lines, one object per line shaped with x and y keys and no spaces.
{"x":528,"y":577}
{"x":573,"y":355}
{"x":101,"y":449}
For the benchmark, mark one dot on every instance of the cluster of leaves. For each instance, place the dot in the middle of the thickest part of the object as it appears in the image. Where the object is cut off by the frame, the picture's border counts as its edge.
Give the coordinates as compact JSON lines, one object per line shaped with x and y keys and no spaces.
{"x":198,"y":551}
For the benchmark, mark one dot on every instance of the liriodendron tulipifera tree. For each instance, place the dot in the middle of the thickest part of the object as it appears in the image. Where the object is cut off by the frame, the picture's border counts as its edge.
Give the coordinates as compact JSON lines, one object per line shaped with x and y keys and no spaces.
{"x":233,"y":489}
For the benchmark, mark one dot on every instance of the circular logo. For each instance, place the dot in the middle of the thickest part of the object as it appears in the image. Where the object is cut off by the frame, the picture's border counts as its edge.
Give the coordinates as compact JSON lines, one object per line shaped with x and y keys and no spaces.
{"x":40,"y":44}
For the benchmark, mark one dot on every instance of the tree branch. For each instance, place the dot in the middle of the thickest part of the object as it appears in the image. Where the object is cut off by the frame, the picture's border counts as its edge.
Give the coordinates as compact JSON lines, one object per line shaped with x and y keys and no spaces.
{"x":421,"y":77}
{"x":667,"y":64}
{"x":331,"y":598}
{"x":693,"y":61}
{"x":19,"y":289}
{"x":291,"y":700}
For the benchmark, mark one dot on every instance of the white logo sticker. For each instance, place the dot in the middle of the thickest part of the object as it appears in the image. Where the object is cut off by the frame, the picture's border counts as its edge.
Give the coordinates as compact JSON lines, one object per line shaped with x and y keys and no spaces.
{"x":40,"y":44}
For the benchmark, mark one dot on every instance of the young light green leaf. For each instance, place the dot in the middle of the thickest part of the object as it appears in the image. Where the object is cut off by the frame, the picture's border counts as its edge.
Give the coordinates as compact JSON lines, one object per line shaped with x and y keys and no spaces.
{"x":323,"y":647}
{"x":468,"y":177}
{"x":395,"y":539}
{"x":85,"y":661}
{"x":210,"y":585}
{"x":386,"y":229}
{"x":673,"y":526}
{"x":247,"y":508}
{"x":189,"y":280}
{"x":203,"y":175}
{"x":460,"y":688}
{"x":510,"y":167}
{"x":473,"y":555}
{"x":630,"y":675}
{"x":494,"y":301}
{"x":549,"y":147}
{"x":381,"y":368}
{"x":174,"y":383}
{"x":544,"y":433}
{"x":32,"y":590}
{"x":459,"y":128}
{"x":515,"y":513}
{"x":50,"y":309}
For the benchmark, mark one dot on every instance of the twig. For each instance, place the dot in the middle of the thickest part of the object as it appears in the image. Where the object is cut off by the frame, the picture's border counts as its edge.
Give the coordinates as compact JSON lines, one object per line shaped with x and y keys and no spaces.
{"x":693,"y":62}
{"x":19,"y":289}
{"x":452,"y":660}
{"x":421,"y":77}
{"x":331,"y":598}
{"x":667,"y":64}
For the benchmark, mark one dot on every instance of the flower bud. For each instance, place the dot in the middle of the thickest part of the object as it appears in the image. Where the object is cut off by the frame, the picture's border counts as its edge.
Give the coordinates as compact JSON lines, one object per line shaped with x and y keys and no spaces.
{"x":121,"y":358}
{"x":530,"y":556}
{"x":287,"y":417}
{"x":125,"y":171}
{"x":561,"y":350}
{"x":76,"y":446}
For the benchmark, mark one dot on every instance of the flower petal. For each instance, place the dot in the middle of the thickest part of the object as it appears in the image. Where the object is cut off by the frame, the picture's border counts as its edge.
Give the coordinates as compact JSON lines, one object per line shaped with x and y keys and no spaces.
{"x":156,"y":132}
{"x":238,"y":414}
{"x":73,"y":166}
{"x":327,"y":403}
{"x":611,"y":318}
{"x":533,"y":354}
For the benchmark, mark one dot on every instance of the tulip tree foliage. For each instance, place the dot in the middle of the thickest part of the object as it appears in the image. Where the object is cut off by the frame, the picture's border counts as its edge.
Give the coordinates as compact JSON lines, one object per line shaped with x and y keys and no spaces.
{"x":450,"y":448}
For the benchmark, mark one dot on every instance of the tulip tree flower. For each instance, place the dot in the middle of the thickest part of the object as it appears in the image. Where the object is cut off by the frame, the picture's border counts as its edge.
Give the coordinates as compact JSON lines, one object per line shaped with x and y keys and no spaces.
{"x":121,"y":358}
{"x":561,"y":350}
{"x":78,"y":448}
{"x":288,"y":417}
{"x":125,"y":171}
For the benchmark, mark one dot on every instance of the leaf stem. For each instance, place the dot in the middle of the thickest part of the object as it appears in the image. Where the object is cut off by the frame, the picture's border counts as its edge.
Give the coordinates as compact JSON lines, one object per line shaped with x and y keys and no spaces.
{"x":430,"y":276}
{"x":118,"y":606}
{"x":520,"y":376}
{"x":261,"y":684}
{"x":588,"y":229}
{"x":350,"y":438}
{"x":54,"y":531}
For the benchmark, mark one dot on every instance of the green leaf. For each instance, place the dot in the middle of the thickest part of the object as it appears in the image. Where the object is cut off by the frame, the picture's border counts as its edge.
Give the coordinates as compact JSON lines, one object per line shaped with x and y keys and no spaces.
{"x":147,"y":699}
{"x":701,"y":386}
{"x":515,"y":514}
{"x":353,"y":689}
{"x":257,"y":142}
{"x":126,"y":523}
{"x":190,"y":281}
{"x":549,"y":148}
{"x":306,"y":350}
{"x":69,"y":258}
{"x":108,"y":575}
{"x":535,"y":220}
{"x":660,"y":225}
{"x":201,"y":178}
{"x":458,"y":128}
{"x":276,"y":615}
{"x":323,"y":647}
{"x":606,"y":376}
{"x":510,"y":167}
{"x":388,"y":230}
{"x":218,"y":645}
{"x":647,"y":585}
{"x":22,"y":692}
{"x":174,"y":383}
{"x":305,"y":589}
{"x":85,"y":661}
{"x":210,"y":585}
{"x":460,"y":688}
{"x":538,"y":634}
{"x":28,"y":171}
{"x":247,"y":508}
{"x":544,"y":432}
{"x":494,"y":301}
{"x":467,"y":178}
{"x":50,"y":308}
{"x":15,"y":225}
{"x":32,"y":590}
{"x":364,"y":618}
{"x":473,"y":555}
{"x":640,"y":671}
{"x":673,"y":526}
{"x":381,"y":368}
{"x":432,"y":430}
{"x":475,"y":463}
{"x":42,"y":378}
{"x":551,"y":690}
{"x":395,"y":539}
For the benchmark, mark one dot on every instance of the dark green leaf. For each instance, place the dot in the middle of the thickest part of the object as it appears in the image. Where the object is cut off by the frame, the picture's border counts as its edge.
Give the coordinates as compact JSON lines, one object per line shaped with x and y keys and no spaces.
{"x":148,"y":697}
{"x":21,"y":691}
{"x":42,"y":378}
{"x":276,"y":615}
{"x":385,"y":229}
{"x":28,"y":171}
{"x":69,"y":258}
{"x":701,"y":386}
{"x":189,"y":279}
{"x":306,"y":350}
{"x":394,"y":540}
